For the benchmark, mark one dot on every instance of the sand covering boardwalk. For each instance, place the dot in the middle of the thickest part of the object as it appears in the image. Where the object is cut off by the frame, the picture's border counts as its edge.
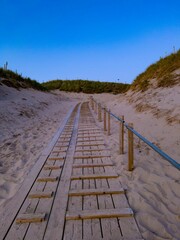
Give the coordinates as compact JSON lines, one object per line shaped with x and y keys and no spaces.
{"x":77,"y":193}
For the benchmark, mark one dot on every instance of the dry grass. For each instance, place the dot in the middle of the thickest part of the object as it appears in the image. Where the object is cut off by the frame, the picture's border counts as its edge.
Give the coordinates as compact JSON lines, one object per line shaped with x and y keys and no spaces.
{"x":162,"y":71}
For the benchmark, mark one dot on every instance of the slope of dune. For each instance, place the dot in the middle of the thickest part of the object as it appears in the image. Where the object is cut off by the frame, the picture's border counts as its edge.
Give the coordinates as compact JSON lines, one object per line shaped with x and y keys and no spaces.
{"x":29,"y":119}
{"x":153,"y":186}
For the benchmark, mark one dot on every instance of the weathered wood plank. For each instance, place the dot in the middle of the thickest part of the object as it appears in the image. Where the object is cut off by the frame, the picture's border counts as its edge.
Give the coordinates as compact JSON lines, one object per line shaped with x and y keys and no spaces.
{"x":55,"y":227}
{"x":41,"y":194}
{"x":52,"y":167}
{"x":90,"y":145}
{"x":92,"y":140}
{"x":56,"y":158}
{"x":47,"y":179}
{"x":92,"y":156}
{"x":92,"y":165}
{"x":94,"y":176}
{"x":99,"y":191}
{"x":30,"y":218}
{"x":102,"y":213}
{"x":92,"y":150}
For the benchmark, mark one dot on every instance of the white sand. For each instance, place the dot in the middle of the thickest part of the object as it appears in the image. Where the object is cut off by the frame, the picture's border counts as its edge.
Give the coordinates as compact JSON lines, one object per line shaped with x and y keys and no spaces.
{"x":153,"y":187}
{"x":29,"y":119}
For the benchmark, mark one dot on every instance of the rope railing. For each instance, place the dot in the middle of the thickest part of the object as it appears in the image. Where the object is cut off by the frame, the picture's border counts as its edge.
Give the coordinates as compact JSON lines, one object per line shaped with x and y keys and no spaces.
{"x":98,"y":108}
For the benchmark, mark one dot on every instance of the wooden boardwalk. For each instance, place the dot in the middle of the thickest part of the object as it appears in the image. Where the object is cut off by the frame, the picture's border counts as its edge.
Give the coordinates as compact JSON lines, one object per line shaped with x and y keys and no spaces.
{"x":76,"y":193}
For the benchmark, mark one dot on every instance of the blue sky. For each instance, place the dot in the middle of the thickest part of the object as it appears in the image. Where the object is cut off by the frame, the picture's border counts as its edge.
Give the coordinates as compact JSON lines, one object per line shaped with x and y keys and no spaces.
{"x":103,"y":40}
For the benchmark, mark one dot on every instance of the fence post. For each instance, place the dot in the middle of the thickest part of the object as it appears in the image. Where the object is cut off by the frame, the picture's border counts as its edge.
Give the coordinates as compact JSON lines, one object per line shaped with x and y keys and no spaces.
{"x":100,"y":113}
{"x":105,"y":128}
{"x":96,"y":108}
{"x":121,"y":136}
{"x":92,"y":103}
{"x":130,"y":149}
{"x":109,"y":122}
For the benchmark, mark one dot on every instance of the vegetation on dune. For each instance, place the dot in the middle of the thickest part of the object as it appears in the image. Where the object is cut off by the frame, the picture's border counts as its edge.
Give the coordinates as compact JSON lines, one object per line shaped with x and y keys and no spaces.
{"x":86,"y":86}
{"x":16,"y":80}
{"x":162,"y":71}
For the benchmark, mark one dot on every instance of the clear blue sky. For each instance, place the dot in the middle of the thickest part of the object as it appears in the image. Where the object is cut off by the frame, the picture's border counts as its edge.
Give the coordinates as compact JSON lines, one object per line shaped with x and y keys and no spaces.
{"x":101,"y":40}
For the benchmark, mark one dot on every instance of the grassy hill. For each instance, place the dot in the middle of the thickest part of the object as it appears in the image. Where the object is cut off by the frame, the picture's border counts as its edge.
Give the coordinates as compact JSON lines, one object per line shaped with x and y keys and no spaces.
{"x":16,"y":80}
{"x":86,"y":86}
{"x":162,"y":71}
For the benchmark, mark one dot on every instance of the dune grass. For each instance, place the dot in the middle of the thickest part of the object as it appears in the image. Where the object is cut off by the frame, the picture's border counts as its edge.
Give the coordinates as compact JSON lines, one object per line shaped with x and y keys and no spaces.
{"x":17,"y":81}
{"x":162,"y":71}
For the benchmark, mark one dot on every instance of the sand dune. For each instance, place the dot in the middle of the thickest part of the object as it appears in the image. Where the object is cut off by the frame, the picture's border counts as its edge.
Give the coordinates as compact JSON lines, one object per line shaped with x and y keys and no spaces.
{"x":29,"y":119}
{"x":153,"y":188}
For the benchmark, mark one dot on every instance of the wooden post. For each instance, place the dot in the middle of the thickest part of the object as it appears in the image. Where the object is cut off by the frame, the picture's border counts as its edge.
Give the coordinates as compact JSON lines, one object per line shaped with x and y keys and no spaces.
{"x":105,"y":128}
{"x":92,"y":103}
{"x":130,"y":149}
{"x":109,"y":123}
{"x":96,"y":108}
{"x":121,"y":136}
{"x":100,"y":113}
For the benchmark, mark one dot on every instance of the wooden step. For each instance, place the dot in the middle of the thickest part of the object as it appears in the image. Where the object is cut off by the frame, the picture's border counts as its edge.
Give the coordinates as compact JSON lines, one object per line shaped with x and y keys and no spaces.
{"x":91,"y":156}
{"x":89,"y":136}
{"x":90,"y":140}
{"x":88,"y":129}
{"x":94,"y":176}
{"x":99,"y":191}
{"x":31,"y":218}
{"x":103,"y":213}
{"x":47,"y":179}
{"x":52,"y":167}
{"x":56,"y":158}
{"x":90,"y":145}
{"x":41,"y":194}
{"x":92,"y":150}
{"x":92,"y":165}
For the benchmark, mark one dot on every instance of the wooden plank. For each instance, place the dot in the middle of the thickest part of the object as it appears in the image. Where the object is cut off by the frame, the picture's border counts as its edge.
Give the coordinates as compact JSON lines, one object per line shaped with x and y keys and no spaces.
{"x":92,"y":165}
{"x":58,"y":151}
{"x":92,"y":140}
{"x":94,"y":176}
{"x":52,"y":167}
{"x":47,"y":179}
{"x":87,"y":129}
{"x":99,"y":191}
{"x":128,"y":226}
{"x":31,"y":218}
{"x":91,"y":227}
{"x":91,"y":150}
{"x":55,"y":227}
{"x":41,"y":194}
{"x":90,"y":145}
{"x":89,"y":136}
{"x":73,"y":229}
{"x":91,"y":156}
{"x":56,"y":158}
{"x":102,"y":213}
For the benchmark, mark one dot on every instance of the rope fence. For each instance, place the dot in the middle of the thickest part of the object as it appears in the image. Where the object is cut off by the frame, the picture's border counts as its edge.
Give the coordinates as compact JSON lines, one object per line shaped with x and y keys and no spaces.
{"x":98,"y":109}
